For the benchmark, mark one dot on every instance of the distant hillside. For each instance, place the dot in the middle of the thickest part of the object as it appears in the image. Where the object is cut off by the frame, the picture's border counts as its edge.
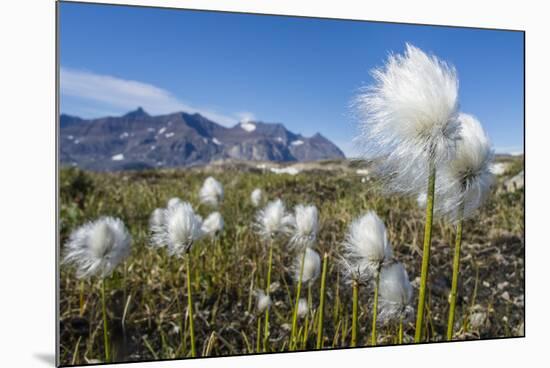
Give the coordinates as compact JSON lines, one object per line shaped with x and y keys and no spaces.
{"x":138,"y":140}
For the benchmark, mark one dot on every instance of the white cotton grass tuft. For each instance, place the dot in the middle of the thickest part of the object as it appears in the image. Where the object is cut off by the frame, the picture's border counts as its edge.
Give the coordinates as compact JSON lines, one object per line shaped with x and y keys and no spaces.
{"x":97,"y":247}
{"x":467,"y":179}
{"x":211,"y":192}
{"x":408,"y":117}
{"x":395,"y":294}
{"x":312,"y":266}
{"x":306,"y":226}
{"x":156,"y":228}
{"x":182,"y":227}
{"x":256,"y":197}
{"x":173,"y":202}
{"x":273,"y":220}
{"x":366,"y":247}
{"x":303,"y":308}
{"x":213,"y":224}
{"x":263,"y":301}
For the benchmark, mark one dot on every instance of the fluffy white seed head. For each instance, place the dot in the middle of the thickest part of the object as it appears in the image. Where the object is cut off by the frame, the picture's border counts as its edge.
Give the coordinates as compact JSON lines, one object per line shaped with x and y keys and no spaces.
{"x":312,"y":266}
{"x":97,"y":247}
{"x":466,"y":179}
{"x":273,"y":220}
{"x":366,"y":247}
{"x":213,"y":224}
{"x":407,"y":116}
{"x":156,"y":227}
{"x":256,"y":197}
{"x":211,"y":192}
{"x":306,"y":226}
{"x":303,"y":308}
{"x":395,"y":293}
{"x":263,"y":301}
{"x":173,"y":202}
{"x":182,"y":228}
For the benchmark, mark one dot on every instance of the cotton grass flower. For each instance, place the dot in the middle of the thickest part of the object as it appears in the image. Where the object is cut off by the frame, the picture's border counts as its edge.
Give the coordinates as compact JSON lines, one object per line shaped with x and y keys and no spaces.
{"x":256,"y":197}
{"x":466,"y":180}
{"x":366,"y":247}
{"x":211,"y":192}
{"x":395,"y":294}
{"x":172,"y":202}
{"x":312,"y":266}
{"x":213,"y":224}
{"x":303,"y":308}
{"x":156,"y":228}
{"x":182,"y":228}
{"x":306,"y":226}
{"x":464,"y":185}
{"x":263,"y":301}
{"x":273,"y":220}
{"x":97,"y":247}
{"x":409,"y":117}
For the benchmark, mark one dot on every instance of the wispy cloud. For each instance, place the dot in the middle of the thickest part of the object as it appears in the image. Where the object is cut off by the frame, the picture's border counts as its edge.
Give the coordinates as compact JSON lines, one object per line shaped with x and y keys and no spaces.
{"x":113,"y":93}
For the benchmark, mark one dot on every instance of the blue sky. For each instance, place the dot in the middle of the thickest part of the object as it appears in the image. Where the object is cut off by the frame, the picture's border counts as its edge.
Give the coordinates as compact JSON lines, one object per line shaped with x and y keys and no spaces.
{"x":302,"y":72}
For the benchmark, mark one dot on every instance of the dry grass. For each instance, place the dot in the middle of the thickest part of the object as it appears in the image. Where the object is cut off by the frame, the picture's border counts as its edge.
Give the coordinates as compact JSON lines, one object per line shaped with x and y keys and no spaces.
{"x":147,"y":293}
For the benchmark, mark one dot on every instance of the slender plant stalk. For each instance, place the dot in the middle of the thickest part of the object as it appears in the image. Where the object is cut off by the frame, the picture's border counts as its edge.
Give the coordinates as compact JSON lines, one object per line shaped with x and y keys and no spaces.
{"x":425,"y":252}
{"x":105,"y":325}
{"x":456,"y":270}
{"x":400,"y":330}
{"x":190,"y":305}
{"x":295,"y":313}
{"x":258,"y":335}
{"x":322,"y":303}
{"x":355,"y":288}
{"x":375,"y":309}
{"x":268,"y":284}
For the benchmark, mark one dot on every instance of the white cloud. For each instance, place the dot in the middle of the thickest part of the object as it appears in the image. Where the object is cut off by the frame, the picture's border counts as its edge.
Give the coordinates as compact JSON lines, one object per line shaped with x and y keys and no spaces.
{"x":125,"y":95}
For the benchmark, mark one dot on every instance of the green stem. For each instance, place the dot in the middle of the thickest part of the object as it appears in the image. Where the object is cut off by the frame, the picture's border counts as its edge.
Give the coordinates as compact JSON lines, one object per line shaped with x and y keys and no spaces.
{"x":400,"y":330}
{"x":456,"y":270}
{"x":355,"y":288}
{"x":322,"y":303}
{"x":375,"y":309}
{"x":268,"y":284}
{"x":292,"y":344}
{"x":190,"y":305}
{"x":105,"y":325}
{"x":258,"y":335}
{"x":425,"y":253}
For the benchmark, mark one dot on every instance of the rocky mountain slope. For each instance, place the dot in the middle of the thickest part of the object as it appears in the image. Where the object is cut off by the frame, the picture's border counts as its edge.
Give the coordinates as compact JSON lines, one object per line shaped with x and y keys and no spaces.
{"x":138,"y":140}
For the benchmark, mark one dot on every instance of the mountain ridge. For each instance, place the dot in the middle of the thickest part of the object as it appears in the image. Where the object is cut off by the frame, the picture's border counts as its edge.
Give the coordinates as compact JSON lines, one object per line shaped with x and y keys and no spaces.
{"x":138,"y":140}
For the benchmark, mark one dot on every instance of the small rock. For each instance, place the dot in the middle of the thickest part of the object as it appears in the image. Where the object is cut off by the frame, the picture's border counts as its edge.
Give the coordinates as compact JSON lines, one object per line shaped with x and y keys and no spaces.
{"x":477,"y":320}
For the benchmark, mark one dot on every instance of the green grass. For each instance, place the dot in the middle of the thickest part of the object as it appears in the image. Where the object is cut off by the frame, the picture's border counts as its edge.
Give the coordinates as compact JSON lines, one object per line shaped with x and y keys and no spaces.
{"x":145,"y":301}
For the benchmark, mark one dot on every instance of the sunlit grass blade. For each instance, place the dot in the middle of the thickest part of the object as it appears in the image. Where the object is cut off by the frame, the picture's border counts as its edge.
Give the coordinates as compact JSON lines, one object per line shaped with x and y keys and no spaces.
{"x":425,"y":253}
{"x":454,"y":284}
{"x":355,"y":287}
{"x":319,"y":344}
